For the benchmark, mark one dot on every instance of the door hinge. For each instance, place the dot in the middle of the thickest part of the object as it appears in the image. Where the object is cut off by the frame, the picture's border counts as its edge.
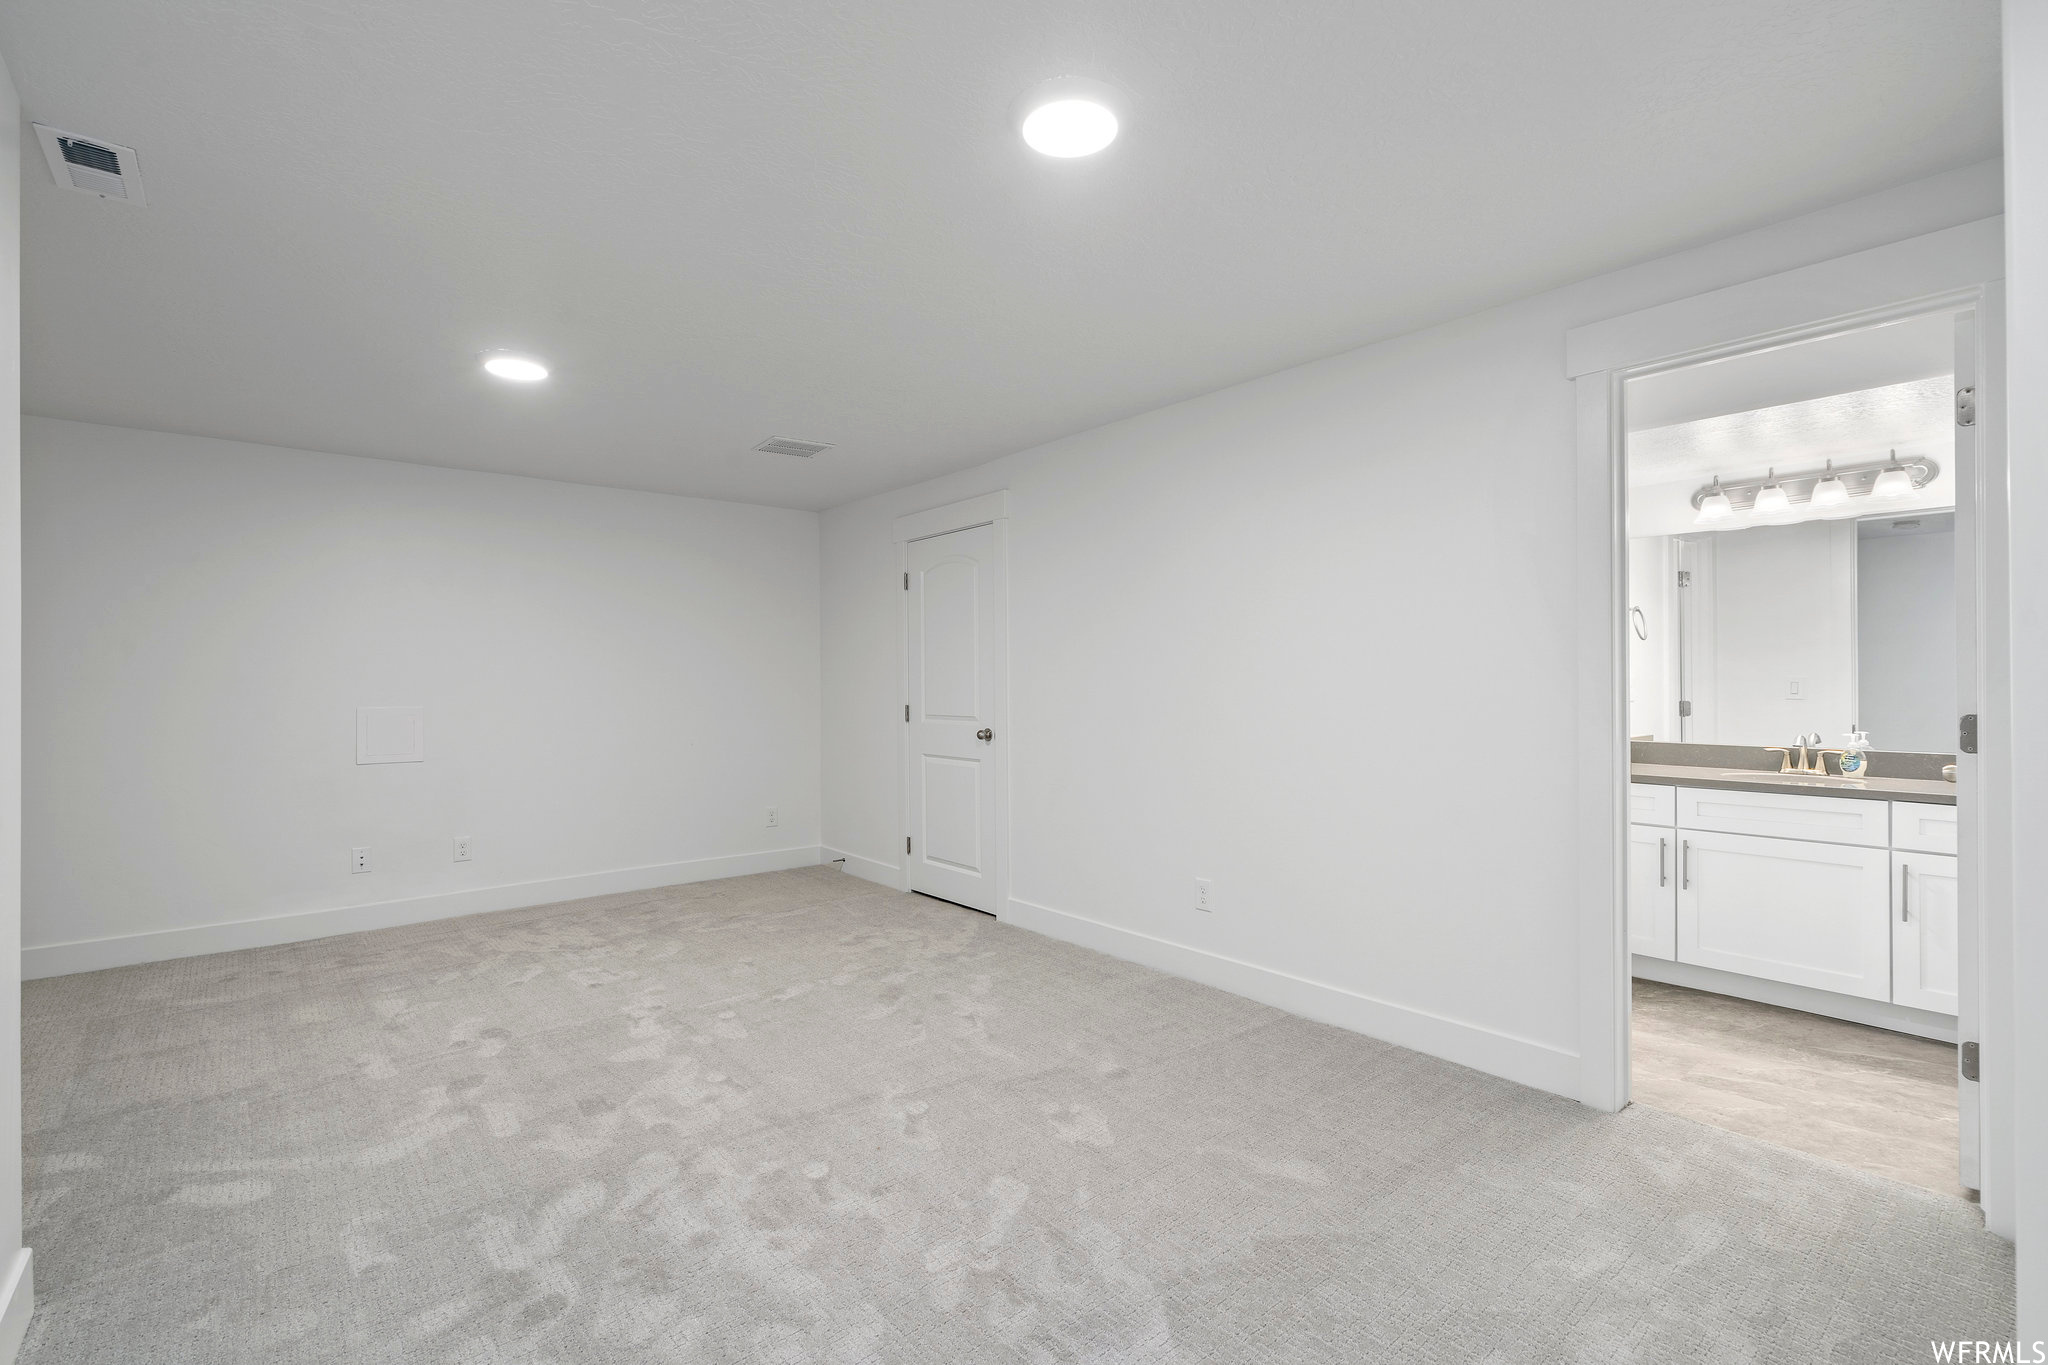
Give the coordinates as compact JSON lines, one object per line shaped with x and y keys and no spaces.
{"x":1966,"y":407}
{"x":906,"y":713}
{"x":1966,"y":735}
{"x":906,"y":843}
{"x":906,"y":580}
{"x":1967,"y":1059}
{"x":1685,"y":708}
{"x":1685,"y":578}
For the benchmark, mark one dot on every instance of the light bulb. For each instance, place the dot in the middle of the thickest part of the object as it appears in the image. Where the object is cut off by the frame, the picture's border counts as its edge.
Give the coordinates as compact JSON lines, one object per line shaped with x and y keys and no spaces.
{"x":1894,"y":482}
{"x":1830,"y":491}
{"x":1714,"y":507}
{"x":1771,"y":500}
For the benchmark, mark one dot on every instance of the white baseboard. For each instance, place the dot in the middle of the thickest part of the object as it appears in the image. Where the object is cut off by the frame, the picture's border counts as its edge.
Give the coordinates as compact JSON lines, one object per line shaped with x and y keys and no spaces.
{"x":1500,"y":1054}
{"x":888,"y":874}
{"x":17,"y":1304}
{"x":95,"y":954}
{"x":1876,"y":1013}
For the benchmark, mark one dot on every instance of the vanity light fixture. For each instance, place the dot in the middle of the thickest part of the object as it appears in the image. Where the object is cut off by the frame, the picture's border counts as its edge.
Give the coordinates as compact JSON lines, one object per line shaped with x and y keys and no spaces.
{"x":1068,"y":117}
{"x":1771,"y":499}
{"x":520,"y":369}
{"x":1830,"y":491}
{"x":1827,"y":492}
{"x":1893,"y":481}
{"x":1715,"y":506}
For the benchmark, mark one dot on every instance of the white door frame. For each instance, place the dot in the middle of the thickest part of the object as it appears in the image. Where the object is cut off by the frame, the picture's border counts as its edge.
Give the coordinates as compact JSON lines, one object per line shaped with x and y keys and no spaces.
{"x":989,"y":509}
{"x":1951,"y":270}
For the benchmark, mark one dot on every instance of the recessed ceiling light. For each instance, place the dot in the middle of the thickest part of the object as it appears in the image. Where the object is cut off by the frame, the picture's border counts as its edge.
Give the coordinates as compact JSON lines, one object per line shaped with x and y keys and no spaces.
{"x":520,"y":369}
{"x":1068,"y":117}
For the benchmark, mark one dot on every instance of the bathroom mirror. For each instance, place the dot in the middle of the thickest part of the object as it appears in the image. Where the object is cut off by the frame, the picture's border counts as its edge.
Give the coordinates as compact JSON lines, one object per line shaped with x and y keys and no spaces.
{"x":1758,"y":635}
{"x":1792,"y":543}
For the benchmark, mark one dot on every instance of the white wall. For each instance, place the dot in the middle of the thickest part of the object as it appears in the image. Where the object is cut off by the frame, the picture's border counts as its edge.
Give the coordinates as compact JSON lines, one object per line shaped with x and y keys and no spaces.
{"x":2026,"y":151}
{"x":1653,"y":654}
{"x":1784,"y":606}
{"x":1313,"y":637}
{"x":617,"y":687}
{"x":17,"y":1292}
{"x":1906,"y":641}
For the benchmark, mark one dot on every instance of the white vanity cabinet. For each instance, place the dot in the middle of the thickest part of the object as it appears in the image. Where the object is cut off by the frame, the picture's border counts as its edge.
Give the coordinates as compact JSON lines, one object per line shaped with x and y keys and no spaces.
{"x":1786,"y":909}
{"x":1924,"y":945}
{"x":1820,"y":892}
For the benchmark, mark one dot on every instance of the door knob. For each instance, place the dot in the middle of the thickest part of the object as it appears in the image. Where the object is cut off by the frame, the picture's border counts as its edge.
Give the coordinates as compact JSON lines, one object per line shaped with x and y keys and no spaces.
{"x":984,"y":735}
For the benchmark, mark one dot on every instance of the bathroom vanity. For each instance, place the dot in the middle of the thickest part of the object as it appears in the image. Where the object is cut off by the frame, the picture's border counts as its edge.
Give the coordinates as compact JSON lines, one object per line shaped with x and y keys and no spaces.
{"x":1818,"y":896}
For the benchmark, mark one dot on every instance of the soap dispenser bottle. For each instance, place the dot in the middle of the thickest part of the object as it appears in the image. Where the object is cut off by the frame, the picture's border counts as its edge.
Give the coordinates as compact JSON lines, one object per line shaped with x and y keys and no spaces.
{"x":1855,"y":758}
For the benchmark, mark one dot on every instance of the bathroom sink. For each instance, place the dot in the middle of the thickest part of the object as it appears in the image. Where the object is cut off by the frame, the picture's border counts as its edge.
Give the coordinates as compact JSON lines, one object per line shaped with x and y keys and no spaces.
{"x":1795,"y":779}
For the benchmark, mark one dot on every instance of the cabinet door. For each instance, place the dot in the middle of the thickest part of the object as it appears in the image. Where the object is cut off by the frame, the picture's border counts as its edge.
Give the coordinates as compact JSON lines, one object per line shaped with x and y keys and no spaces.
{"x":1652,"y":892}
{"x":1924,"y":931}
{"x":1808,"y":913}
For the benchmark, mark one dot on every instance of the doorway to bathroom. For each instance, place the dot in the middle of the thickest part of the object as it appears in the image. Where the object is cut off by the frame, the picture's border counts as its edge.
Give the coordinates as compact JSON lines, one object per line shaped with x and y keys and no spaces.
{"x":1699,"y":841}
{"x":1799,"y":572}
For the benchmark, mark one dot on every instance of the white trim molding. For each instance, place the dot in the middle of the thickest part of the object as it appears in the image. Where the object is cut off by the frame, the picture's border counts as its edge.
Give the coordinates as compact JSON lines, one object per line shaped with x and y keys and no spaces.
{"x":1902,"y":278}
{"x":1523,"y":1060}
{"x":17,"y":1304}
{"x":953,"y":516}
{"x":869,"y":869}
{"x":125,"y":950}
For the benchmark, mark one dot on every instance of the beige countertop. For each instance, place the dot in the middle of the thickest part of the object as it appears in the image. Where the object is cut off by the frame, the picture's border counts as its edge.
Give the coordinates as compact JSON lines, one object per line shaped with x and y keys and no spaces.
{"x":1936,"y":792}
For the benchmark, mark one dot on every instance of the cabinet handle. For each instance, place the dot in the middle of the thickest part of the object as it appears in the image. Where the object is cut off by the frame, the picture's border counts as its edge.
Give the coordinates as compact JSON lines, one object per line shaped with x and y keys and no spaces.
{"x":1685,"y":864}
{"x":1905,"y":880}
{"x":1663,"y":862}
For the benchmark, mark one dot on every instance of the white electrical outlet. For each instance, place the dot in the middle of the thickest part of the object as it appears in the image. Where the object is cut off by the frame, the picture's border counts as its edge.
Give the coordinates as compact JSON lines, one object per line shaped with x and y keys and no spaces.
{"x":359,"y":860}
{"x":774,"y":817}
{"x":462,"y":849}
{"x":1202,"y":894}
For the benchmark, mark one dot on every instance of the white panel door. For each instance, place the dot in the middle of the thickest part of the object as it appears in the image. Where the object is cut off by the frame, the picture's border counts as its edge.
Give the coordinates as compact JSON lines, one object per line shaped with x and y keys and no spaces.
{"x":1812,"y":914}
{"x":1924,"y":957}
{"x":1652,"y":892}
{"x":955,"y":650}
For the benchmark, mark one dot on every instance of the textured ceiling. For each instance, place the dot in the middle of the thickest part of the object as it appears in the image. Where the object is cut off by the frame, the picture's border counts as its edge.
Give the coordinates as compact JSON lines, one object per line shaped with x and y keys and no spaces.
{"x":1874,"y":357}
{"x":809,"y":218}
{"x":1913,"y":418}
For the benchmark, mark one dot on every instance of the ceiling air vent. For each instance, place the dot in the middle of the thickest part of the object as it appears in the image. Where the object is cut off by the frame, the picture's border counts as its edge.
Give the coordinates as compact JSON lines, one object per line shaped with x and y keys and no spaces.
{"x":106,"y":169}
{"x":783,"y":445}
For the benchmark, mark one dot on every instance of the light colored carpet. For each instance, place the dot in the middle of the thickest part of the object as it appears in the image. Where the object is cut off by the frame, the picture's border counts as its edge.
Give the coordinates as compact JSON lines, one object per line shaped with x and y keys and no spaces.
{"x":1883,"y":1102}
{"x":796,"y":1118}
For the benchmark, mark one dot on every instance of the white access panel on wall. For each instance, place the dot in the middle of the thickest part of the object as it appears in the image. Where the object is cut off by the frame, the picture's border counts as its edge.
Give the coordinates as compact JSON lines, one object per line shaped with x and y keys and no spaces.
{"x":954,"y":656}
{"x":391,"y":734}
